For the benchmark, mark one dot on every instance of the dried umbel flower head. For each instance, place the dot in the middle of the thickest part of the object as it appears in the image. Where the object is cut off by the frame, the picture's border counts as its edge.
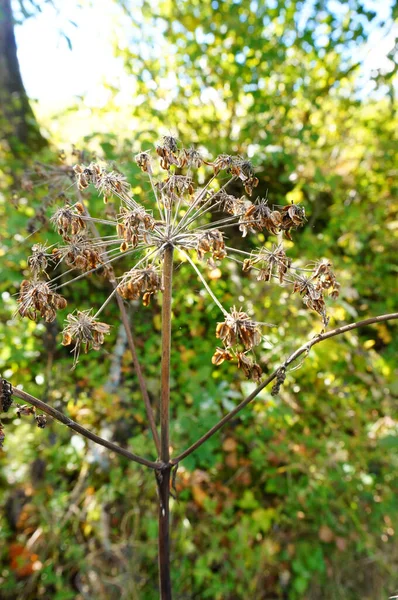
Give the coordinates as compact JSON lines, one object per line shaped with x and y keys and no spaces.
{"x":312,"y":293}
{"x":211,"y":242}
{"x":85,"y":331}
{"x":191,"y":158}
{"x":68,"y":220}
{"x":134,"y":226}
{"x":239,"y":328}
{"x":141,"y":282}
{"x":323,"y":273}
{"x":39,"y":259}
{"x":143,"y":160}
{"x":180,"y":221}
{"x":168,"y":152}
{"x":79,"y":252}
{"x":107,"y":183}
{"x":37,"y":298}
{"x":269,"y":263}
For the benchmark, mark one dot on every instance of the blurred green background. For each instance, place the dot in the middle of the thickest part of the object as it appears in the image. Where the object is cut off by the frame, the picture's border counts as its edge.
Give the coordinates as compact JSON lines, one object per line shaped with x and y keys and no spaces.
{"x":297,"y":498}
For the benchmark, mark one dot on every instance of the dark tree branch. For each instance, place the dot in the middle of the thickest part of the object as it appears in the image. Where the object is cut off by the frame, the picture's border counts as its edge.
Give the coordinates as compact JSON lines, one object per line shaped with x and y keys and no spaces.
{"x":59,"y":416}
{"x":303,"y":349}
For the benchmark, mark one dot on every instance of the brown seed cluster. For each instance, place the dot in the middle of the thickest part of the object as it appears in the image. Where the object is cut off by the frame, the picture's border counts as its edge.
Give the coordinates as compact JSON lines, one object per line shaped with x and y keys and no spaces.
{"x":220,"y":355}
{"x":239,"y":167}
{"x":107,"y":183}
{"x":26,"y":411}
{"x":311,"y":292}
{"x":5,"y":395}
{"x":323,"y":272}
{"x":79,"y":252}
{"x":68,"y":220}
{"x":85,"y":331}
{"x":133,"y":226}
{"x":168,"y":152}
{"x":39,"y":259}
{"x":234,"y":206}
{"x":269,"y":263}
{"x":259,"y":216}
{"x":175,"y":187}
{"x":141,"y":282}
{"x":211,"y":242}
{"x":191,"y":158}
{"x":251,"y":369}
{"x":143,"y":160}
{"x":36,"y":298}
{"x":312,"y":288}
{"x":239,"y":328}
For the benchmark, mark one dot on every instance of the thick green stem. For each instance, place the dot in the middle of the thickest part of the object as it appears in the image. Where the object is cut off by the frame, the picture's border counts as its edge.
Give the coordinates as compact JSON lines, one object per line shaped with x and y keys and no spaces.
{"x":163,"y":478}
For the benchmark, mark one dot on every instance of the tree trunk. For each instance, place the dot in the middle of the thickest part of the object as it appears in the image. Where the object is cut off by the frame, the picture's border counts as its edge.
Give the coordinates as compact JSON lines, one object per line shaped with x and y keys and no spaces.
{"x":18,"y":126}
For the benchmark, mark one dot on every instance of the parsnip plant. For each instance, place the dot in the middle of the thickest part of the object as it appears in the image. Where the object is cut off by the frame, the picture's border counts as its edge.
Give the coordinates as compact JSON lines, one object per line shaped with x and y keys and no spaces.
{"x":190,"y":224}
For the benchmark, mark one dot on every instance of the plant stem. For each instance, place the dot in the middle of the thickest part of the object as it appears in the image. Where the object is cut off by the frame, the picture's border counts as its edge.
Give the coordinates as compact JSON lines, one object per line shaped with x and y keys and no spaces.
{"x":163,"y":481}
{"x":163,"y":478}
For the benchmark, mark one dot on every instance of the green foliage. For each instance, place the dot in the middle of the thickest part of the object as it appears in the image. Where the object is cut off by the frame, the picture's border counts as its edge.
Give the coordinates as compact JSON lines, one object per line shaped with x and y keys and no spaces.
{"x":297,"y":497}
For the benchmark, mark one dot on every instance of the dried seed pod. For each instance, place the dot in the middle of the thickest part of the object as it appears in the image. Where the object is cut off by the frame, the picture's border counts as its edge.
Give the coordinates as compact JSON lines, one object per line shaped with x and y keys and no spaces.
{"x":143,"y":160}
{"x":250,"y":368}
{"x":280,"y":379}
{"x":41,"y":421}
{"x":5,"y":395}
{"x":220,"y":355}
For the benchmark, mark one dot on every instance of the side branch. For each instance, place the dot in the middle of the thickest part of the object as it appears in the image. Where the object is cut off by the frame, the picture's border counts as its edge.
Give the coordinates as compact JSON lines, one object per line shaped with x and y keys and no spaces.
{"x":303,"y":349}
{"x":59,"y":416}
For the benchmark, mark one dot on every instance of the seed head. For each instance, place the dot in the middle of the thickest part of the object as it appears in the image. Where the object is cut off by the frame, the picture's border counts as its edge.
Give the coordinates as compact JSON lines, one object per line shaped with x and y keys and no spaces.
{"x":36,"y":298}
{"x":239,"y":328}
{"x":85,"y":331}
{"x":141,"y":282}
{"x":68,"y":220}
